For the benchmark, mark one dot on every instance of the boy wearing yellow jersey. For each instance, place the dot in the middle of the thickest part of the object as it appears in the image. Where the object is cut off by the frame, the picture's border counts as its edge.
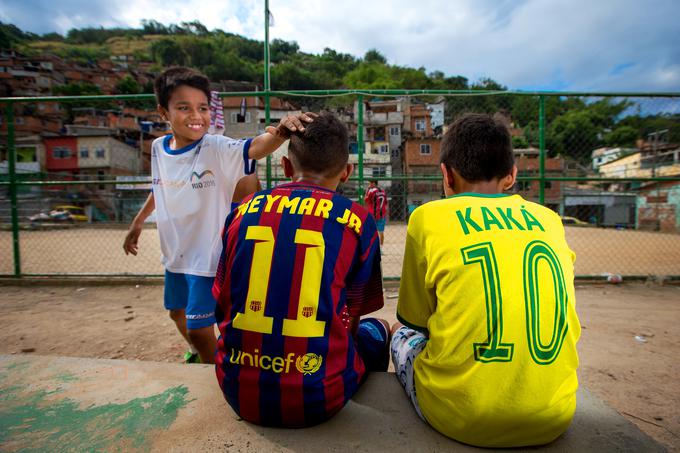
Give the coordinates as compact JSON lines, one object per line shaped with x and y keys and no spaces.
{"x":487,"y":352}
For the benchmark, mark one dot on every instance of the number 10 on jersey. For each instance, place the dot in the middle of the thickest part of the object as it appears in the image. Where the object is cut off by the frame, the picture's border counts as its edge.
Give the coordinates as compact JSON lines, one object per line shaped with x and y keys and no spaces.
{"x":494,"y":349}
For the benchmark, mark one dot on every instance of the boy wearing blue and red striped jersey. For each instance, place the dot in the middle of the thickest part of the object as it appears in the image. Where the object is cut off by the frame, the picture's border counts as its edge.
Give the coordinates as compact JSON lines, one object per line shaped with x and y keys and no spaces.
{"x":300,"y":264}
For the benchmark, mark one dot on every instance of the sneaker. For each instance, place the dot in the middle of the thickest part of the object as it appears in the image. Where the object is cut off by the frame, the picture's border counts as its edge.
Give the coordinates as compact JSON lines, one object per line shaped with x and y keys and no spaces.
{"x":189,"y":357}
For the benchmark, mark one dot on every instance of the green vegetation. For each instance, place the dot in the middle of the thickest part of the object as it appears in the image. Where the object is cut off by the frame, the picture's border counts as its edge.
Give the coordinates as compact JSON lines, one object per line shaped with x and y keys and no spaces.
{"x":574,"y":125}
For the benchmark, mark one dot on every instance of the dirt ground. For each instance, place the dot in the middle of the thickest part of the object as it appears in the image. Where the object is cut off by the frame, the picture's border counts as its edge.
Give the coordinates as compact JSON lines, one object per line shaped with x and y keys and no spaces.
{"x":629,"y":349}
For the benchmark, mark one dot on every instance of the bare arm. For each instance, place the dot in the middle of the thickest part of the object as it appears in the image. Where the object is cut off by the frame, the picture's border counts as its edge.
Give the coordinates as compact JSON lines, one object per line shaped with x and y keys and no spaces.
{"x":265,"y":144}
{"x":130,"y":244}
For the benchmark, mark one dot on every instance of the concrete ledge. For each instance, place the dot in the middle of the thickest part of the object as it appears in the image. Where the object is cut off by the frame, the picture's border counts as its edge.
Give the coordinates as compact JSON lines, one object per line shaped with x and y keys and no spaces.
{"x":70,"y":404}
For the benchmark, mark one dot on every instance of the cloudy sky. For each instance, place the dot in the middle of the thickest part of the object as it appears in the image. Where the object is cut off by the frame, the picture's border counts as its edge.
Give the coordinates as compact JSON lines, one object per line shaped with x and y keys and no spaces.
{"x":588,"y":45}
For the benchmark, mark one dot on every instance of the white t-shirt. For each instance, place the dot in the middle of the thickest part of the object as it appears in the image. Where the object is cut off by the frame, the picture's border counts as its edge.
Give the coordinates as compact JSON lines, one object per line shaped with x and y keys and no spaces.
{"x":193,"y":187}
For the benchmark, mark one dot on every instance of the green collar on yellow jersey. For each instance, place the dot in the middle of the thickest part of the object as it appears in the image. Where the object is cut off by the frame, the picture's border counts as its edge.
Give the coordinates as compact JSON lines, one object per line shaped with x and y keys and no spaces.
{"x":481,"y":195}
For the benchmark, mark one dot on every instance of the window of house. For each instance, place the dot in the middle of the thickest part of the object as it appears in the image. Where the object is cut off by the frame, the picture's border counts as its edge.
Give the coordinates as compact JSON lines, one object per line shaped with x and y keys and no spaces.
{"x":379,"y":171}
{"x":523,"y":185}
{"x":394,"y":130}
{"x":548,"y":184}
{"x":19,"y":120}
{"x":236,"y":117}
{"x":420,"y":125}
{"x":383,"y":149}
{"x":425,"y":148}
{"x":101,"y":177}
{"x":84,"y":153}
{"x":100,"y":153}
{"x":60,"y":152}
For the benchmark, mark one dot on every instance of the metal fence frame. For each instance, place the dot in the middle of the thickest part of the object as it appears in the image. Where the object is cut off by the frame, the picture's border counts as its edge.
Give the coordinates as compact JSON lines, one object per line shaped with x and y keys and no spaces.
{"x":14,"y":183}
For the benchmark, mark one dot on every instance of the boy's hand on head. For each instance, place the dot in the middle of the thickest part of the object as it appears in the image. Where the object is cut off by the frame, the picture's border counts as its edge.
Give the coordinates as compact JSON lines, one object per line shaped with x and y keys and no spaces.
{"x":290,"y":124}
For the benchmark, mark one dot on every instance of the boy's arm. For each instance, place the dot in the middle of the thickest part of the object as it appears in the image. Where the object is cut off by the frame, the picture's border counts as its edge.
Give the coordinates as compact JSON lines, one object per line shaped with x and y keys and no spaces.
{"x":267,"y":143}
{"x":417,"y":301}
{"x":130,"y":244}
{"x":364,"y":288}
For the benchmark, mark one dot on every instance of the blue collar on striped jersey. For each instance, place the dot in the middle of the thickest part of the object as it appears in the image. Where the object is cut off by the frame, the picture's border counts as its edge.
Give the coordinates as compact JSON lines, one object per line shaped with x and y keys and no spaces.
{"x":303,"y":185}
{"x":176,"y":152}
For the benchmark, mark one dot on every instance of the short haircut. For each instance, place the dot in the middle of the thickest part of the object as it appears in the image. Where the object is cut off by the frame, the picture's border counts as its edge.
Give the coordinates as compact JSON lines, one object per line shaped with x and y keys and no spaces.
{"x":478,"y":147}
{"x":171,"y":79}
{"x":323,"y":146}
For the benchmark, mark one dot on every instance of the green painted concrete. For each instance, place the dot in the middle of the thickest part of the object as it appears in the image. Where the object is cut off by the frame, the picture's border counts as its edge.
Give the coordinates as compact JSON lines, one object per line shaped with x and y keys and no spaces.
{"x":38,"y":420}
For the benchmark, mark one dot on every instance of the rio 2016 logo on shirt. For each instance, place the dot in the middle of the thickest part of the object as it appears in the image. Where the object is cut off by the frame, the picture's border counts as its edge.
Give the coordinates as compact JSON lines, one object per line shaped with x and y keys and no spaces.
{"x":308,"y":363}
{"x":202,"y":180}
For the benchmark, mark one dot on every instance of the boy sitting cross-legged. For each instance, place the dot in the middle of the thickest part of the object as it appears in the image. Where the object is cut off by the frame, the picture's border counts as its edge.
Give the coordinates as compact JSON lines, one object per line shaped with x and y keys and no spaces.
{"x":300,"y":264}
{"x":488,"y":354}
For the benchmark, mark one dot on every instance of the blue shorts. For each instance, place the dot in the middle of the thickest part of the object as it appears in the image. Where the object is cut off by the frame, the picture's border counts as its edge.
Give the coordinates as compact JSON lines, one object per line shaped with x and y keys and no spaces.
{"x":381,"y":224}
{"x":193,"y":294}
{"x":373,"y":344}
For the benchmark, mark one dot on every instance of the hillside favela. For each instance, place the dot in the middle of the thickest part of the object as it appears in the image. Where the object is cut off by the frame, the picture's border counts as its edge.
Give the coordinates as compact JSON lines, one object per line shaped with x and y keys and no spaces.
{"x":599,"y":160}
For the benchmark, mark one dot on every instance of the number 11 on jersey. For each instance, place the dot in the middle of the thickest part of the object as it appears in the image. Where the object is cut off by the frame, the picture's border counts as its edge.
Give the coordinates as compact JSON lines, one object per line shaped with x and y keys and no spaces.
{"x":305,"y":323}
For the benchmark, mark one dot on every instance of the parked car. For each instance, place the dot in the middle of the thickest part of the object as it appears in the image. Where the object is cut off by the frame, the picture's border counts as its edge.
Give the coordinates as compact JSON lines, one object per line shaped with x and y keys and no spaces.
{"x":573,"y":221}
{"x":61,"y":213}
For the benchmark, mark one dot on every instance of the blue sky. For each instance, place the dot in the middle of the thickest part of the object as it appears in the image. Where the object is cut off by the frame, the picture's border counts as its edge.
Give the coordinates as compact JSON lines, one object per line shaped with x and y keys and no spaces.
{"x":584,"y":45}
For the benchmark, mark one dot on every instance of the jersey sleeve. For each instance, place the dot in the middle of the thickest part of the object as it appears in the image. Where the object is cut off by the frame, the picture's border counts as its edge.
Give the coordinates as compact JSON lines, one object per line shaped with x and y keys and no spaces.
{"x":417,"y":300}
{"x":367,"y":198}
{"x":364,"y":285}
{"x":234,"y":157}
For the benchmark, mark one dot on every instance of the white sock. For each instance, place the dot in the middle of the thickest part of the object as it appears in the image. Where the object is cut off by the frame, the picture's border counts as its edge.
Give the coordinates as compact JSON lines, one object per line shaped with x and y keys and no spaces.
{"x":193,"y":349}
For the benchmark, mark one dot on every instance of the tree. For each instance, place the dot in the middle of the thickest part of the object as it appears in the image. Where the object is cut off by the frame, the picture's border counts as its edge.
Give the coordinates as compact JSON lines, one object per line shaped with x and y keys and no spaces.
{"x":10,"y":35}
{"x":519,"y":142}
{"x":369,"y":76}
{"x":168,"y":52}
{"x":152,"y":27}
{"x":128,"y":85}
{"x":573,"y":134}
{"x":373,"y":56}
{"x":280,"y":50}
{"x":622,"y":136}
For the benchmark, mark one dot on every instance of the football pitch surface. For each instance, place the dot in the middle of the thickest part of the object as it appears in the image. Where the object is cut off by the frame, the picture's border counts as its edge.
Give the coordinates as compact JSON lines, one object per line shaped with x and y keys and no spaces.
{"x":88,"y":250}
{"x":628,"y":348}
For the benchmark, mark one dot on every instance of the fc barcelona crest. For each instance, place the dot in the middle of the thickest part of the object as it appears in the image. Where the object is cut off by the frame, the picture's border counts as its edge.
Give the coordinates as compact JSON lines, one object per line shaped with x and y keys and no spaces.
{"x":255,"y":305}
{"x":307,"y":311}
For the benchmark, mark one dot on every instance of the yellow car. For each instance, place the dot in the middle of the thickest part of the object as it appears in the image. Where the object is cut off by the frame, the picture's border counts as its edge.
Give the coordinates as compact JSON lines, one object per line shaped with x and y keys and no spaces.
{"x":70,"y":213}
{"x":573,"y":221}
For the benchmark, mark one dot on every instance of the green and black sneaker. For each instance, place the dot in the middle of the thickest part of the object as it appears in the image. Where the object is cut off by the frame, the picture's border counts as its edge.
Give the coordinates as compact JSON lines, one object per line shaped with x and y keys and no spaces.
{"x":190,"y":357}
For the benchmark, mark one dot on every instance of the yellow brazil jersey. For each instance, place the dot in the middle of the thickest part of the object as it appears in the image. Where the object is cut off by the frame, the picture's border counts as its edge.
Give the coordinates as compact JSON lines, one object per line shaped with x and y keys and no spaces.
{"x":491,"y":279}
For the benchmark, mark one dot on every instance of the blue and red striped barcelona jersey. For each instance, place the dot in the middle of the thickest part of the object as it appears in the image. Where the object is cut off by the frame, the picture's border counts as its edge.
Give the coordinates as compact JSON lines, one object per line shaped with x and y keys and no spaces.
{"x":298,"y":261}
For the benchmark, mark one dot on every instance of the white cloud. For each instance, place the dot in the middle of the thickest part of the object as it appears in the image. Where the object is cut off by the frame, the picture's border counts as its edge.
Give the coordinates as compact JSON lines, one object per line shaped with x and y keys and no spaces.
{"x":608,"y":45}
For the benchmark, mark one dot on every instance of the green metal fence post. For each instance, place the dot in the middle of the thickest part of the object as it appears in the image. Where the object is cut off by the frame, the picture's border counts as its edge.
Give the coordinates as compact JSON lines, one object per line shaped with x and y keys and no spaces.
{"x":267,"y":119}
{"x":360,"y":147}
{"x":541,"y":145}
{"x":12,"y":159}
{"x":267,"y":87}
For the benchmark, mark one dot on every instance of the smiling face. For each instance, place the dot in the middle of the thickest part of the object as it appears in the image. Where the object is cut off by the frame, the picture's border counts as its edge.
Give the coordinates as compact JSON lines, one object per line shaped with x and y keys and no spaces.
{"x":189,"y":115}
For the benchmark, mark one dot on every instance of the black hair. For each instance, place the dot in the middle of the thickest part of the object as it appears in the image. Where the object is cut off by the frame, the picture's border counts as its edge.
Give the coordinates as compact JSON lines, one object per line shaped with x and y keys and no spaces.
{"x":478,"y":147}
{"x":171,"y":79}
{"x":323,"y":146}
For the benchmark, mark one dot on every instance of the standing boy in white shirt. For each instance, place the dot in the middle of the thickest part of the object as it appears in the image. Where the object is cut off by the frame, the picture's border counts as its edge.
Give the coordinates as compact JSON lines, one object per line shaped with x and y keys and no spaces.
{"x":193,"y":179}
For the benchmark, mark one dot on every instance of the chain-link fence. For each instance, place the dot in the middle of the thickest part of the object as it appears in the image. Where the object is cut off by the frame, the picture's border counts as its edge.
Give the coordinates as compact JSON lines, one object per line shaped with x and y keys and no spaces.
{"x":75,"y":170}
